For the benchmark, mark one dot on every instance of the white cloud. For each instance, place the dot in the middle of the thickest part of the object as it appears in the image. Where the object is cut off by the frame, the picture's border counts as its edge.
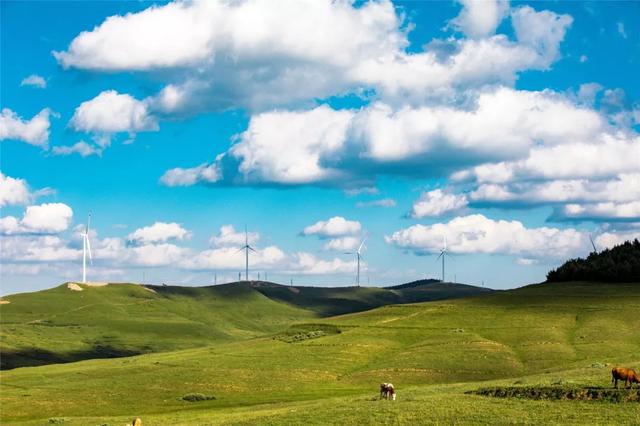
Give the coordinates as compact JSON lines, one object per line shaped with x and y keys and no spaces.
{"x":34,"y":131}
{"x":337,"y":226}
{"x":543,"y":31}
{"x":478,"y":234}
{"x":34,"y":80}
{"x":219,"y":54}
{"x":436,"y":203}
{"x":290,"y":147}
{"x":611,"y":239}
{"x":112,"y":112}
{"x":50,"y":218}
{"x":229,"y":258}
{"x":38,"y":248}
{"x":342,"y":243}
{"x":350,"y":148}
{"x":523,"y":261}
{"x":308,"y":264}
{"x":600,"y":211}
{"x":82,"y":148}
{"x":159,"y":232}
{"x":229,"y":237}
{"x":480,"y":18}
{"x":383,"y":202}
{"x":155,"y":254}
{"x":186,"y":177}
{"x":15,"y":191}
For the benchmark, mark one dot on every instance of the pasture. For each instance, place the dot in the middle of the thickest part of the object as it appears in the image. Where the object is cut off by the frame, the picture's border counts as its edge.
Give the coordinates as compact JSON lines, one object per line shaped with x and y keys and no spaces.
{"x":550,"y":335}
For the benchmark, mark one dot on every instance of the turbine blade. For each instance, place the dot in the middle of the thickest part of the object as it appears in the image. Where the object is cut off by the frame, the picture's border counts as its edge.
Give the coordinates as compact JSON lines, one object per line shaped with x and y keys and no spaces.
{"x":240,"y":249}
{"x":362,"y":243}
{"x":441,"y":254}
{"x":251,"y":248}
{"x":592,"y":244}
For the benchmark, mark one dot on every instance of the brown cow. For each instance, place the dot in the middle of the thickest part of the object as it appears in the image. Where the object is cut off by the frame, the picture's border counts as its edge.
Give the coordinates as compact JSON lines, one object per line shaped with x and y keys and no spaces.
{"x":387,"y":391}
{"x":628,"y":375}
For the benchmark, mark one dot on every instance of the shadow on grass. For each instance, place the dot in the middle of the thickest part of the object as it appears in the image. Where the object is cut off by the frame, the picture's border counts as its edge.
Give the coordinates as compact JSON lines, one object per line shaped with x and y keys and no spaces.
{"x":31,"y":357}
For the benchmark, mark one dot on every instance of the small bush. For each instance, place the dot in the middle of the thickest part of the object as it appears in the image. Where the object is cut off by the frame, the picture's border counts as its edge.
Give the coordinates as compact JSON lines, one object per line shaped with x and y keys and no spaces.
{"x":57,"y":420}
{"x":196,"y":397}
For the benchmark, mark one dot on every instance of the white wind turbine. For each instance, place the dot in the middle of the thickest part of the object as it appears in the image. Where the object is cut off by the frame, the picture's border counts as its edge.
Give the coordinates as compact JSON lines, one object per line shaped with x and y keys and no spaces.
{"x":86,"y":247}
{"x":246,"y":248}
{"x":358,"y":254}
{"x":443,"y":253}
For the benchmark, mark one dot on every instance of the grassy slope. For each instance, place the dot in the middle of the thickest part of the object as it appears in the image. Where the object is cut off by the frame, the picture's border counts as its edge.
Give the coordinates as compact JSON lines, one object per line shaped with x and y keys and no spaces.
{"x":342,"y":300}
{"x":61,"y":325}
{"x":68,"y":325}
{"x":432,"y":352}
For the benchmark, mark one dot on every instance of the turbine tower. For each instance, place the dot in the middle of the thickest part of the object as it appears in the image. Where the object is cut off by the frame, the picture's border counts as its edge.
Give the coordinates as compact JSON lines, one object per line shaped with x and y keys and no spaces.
{"x":246,"y":248}
{"x":358,"y":254}
{"x":593,"y":245}
{"x":86,"y":247}
{"x":443,"y":253}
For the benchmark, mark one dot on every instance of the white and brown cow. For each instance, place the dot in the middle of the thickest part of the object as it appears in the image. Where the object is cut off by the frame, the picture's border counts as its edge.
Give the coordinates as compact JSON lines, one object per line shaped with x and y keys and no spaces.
{"x":387,"y":391}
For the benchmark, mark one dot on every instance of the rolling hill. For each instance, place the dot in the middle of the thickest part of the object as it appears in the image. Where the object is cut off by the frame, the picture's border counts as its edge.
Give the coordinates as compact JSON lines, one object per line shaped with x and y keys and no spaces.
{"x":74,"y":321}
{"x":433,"y":352}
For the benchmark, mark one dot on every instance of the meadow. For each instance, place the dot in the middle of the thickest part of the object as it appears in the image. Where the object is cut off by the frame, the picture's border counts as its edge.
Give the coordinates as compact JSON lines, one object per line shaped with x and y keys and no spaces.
{"x":302,"y":368}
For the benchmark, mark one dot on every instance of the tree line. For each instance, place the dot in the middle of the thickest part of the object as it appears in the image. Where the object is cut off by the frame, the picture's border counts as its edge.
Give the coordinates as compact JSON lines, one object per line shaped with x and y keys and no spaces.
{"x":618,"y":264}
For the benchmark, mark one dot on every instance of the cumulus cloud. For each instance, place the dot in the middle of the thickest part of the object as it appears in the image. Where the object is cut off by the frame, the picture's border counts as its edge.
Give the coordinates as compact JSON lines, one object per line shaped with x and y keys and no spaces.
{"x":436,"y":203}
{"x":228,"y":236}
{"x":49,"y":218}
{"x":350,"y":148}
{"x":308,"y":264}
{"x":270,"y":257}
{"x":37,"y":248}
{"x":111,"y":112}
{"x":337,"y":226}
{"x":159,"y":232}
{"x":480,"y":18}
{"x":34,"y":80}
{"x":34,"y":131}
{"x":215,"y":55}
{"x":81,"y":148}
{"x":342,"y":243}
{"x":15,"y":191}
{"x":608,"y":211}
{"x":479,"y":234}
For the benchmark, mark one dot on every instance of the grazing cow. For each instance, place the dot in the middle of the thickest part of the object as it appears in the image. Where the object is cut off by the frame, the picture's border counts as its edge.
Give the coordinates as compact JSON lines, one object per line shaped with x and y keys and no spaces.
{"x":387,"y":391}
{"x":628,"y":375}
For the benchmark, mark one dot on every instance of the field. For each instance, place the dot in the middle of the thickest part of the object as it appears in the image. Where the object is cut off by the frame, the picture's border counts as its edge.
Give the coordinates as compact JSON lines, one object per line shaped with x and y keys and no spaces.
{"x":299,"y":368}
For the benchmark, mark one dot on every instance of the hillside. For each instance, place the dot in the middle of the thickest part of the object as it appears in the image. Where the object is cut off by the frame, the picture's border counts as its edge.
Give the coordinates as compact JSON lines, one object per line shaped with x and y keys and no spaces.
{"x":433,"y":352}
{"x":328,"y":301}
{"x":64,"y":325}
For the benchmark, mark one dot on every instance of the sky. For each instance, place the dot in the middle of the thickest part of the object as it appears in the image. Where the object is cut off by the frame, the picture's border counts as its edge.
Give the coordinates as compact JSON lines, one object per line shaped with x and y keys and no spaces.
{"x":510,"y":131}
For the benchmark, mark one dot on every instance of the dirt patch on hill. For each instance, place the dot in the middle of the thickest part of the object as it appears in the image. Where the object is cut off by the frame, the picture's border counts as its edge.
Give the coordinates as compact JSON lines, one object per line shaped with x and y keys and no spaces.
{"x":4,"y":302}
{"x":74,"y":287}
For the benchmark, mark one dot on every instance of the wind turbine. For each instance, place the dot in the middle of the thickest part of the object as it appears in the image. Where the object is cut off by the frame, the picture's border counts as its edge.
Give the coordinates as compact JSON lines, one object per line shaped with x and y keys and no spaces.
{"x":246,"y":248}
{"x":86,"y":247}
{"x":358,"y":254}
{"x":443,"y":253}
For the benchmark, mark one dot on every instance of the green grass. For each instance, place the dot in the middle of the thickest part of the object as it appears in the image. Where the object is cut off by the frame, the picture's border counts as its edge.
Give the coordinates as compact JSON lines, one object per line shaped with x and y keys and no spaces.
{"x":61,"y":325}
{"x":570,"y":333}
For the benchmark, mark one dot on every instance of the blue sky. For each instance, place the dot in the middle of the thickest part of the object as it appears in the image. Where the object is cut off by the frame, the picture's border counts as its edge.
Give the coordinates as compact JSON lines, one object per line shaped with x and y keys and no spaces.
{"x":511,"y":129}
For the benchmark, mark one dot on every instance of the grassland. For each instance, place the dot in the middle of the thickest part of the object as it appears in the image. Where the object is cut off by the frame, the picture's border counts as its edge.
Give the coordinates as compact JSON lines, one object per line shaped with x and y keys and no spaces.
{"x":565,"y":333}
{"x":62,"y":325}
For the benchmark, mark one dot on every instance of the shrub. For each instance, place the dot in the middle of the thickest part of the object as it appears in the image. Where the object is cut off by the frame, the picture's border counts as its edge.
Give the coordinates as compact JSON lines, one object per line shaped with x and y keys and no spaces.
{"x":196,"y":397}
